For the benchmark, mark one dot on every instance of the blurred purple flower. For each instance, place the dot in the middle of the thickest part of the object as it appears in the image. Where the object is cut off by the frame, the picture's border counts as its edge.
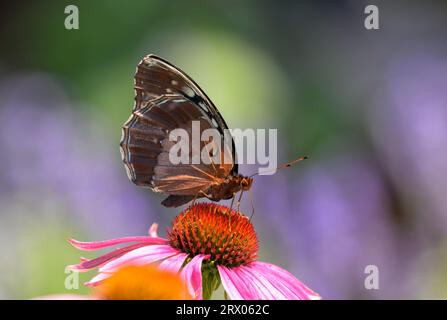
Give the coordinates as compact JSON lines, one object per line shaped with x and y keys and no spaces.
{"x":409,"y":127}
{"x":334,"y":220}
{"x":52,"y":152}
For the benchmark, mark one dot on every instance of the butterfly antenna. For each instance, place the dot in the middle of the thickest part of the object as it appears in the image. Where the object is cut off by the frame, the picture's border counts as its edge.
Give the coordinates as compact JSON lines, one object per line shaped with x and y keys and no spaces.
{"x":284,"y":165}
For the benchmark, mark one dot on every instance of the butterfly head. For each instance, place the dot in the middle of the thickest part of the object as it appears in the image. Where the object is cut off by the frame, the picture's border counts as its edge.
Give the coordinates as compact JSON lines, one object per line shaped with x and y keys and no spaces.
{"x":246,"y":183}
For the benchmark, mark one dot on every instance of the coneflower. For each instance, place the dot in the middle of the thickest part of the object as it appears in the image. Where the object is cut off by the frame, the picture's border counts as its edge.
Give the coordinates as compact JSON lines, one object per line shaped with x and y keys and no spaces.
{"x":207,"y":244}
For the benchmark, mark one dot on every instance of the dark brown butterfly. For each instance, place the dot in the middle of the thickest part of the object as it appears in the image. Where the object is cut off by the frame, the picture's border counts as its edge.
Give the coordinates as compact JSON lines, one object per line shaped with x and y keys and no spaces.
{"x":166,"y":99}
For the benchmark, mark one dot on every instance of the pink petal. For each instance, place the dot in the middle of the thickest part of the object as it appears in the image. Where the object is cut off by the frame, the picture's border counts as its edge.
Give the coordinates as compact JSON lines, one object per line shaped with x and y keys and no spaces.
{"x":284,"y":278}
{"x":153,"y":230}
{"x":86,"y":264}
{"x":174,"y":263}
{"x":235,"y":287}
{"x":192,"y":276}
{"x":96,"y":280}
{"x":140,"y":256}
{"x":260,"y":280}
{"x":89,"y":246}
{"x":260,"y":288}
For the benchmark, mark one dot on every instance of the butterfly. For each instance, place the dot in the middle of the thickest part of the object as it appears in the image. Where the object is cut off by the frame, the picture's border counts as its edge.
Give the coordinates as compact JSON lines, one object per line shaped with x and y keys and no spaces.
{"x":166,"y":98}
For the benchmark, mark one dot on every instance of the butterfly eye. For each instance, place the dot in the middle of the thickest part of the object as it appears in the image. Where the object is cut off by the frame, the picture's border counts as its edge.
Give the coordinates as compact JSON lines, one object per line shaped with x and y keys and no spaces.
{"x":245,"y":184}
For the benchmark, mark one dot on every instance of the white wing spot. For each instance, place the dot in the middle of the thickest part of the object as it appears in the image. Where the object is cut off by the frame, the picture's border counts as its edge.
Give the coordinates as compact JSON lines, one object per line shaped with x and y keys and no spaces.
{"x":129,"y":172}
{"x":203,"y":106}
{"x":174,"y":82}
{"x":123,"y":154}
{"x":189,"y":92}
{"x":178,"y":100}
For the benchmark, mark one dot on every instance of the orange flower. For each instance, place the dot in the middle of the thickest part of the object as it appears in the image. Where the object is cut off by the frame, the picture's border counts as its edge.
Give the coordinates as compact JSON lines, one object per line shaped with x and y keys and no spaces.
{"x":142,"y":283}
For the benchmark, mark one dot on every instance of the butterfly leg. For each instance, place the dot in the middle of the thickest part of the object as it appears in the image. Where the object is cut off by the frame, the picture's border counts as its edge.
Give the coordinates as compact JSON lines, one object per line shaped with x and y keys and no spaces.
{"x":232,"y":202}
{"x":239,"y":202}
{"x":252,"y":204}
{"x":231,"y":209}
{"x":194,"y":199}
{"x":201,"y":192}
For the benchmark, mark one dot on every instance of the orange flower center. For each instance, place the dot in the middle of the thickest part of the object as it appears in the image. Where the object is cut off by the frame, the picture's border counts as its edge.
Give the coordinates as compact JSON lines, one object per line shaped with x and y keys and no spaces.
{"x":205,"y":228}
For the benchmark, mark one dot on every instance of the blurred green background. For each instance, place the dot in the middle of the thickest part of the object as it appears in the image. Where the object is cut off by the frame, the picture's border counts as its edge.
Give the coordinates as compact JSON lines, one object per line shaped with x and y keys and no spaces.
{"x":368,"y":106}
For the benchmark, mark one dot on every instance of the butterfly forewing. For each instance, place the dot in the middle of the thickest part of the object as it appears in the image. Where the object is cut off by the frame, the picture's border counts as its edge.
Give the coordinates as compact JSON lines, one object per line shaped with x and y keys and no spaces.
{"x":156,"y":77}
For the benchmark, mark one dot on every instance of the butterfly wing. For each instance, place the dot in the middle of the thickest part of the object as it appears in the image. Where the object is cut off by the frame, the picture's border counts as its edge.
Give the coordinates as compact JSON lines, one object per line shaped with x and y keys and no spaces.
{"x":167,"y":99}
{"x":156,"y":77}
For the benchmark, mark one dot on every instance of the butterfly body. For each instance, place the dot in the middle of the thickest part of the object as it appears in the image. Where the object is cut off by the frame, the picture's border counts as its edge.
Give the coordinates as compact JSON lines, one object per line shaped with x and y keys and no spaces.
{"x":167,"y":99}
{"x":228,"y":188}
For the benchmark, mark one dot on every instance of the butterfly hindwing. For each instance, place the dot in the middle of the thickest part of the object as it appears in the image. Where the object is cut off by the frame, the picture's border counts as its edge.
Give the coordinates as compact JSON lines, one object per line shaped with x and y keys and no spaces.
{"x":175,"y":200}
{"x":145,"y":148}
